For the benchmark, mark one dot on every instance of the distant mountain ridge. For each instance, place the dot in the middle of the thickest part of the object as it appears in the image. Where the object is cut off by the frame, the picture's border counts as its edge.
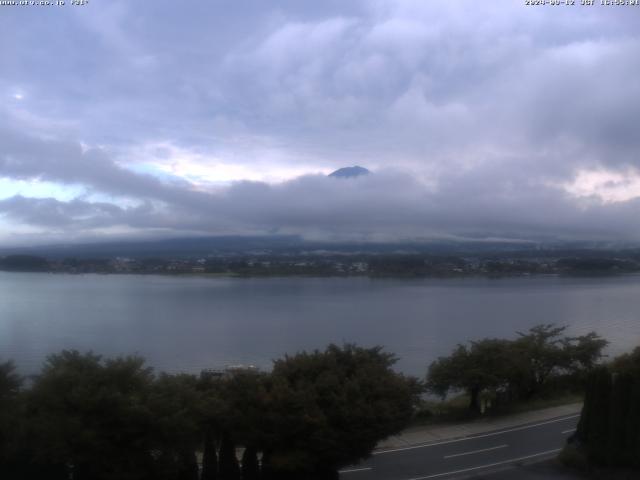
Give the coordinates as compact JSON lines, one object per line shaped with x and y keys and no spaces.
{"x":350,"y":172}
{"x":238,"y":245}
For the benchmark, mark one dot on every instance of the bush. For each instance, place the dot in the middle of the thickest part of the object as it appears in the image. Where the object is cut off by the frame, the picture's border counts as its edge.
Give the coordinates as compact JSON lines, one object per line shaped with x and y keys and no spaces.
{"x":573,"y":457}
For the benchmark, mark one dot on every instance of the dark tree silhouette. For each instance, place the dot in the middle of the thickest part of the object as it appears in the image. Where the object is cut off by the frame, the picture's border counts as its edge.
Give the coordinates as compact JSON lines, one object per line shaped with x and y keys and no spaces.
{"x":250,"y":467}
{"x":229,"y":467}
{"x":609,"y":426}
{"x":209,"y":457}
{"x":330,"y":408}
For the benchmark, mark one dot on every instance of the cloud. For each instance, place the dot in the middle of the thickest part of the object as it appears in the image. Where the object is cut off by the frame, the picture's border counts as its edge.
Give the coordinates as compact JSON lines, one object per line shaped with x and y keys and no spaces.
{"x":48,"y":212}
{"x":492,"y":119}
{"x":388,"y":204}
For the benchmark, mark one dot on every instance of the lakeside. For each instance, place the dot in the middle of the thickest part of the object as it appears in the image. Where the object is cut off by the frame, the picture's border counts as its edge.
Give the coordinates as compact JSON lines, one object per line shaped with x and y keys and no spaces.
{"x":325,"y":266}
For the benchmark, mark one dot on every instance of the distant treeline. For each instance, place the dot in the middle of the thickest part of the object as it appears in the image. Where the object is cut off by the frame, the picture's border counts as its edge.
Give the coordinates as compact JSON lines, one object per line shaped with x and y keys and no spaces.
{"x":24,"y":263}
{"x":373,"y":265}
{"x":85,"y":417}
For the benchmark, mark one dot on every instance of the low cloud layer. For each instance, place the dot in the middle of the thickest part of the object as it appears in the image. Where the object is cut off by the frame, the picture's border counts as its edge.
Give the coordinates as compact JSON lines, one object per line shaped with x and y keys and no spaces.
{"x":210,"y":118}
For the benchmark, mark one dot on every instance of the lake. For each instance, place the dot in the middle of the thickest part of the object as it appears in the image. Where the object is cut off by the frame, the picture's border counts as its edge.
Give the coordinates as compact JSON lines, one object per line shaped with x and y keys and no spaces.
{"x":191,"y":323}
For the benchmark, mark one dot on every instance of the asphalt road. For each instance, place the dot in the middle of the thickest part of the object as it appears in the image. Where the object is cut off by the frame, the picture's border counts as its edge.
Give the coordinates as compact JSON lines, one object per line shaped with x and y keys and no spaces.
{"x":466,"y":456}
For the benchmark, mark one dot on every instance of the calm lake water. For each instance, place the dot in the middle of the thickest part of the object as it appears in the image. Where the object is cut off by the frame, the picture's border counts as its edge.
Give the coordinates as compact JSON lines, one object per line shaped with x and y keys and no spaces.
{"x":191,"y":323}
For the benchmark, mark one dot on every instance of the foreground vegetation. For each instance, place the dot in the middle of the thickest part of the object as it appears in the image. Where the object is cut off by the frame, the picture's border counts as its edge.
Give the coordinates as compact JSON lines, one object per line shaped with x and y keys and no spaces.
{"x":87,"y":417}
{"x":84,"y":417}
{"x":496,"y":373}
{"x":607,"y":440}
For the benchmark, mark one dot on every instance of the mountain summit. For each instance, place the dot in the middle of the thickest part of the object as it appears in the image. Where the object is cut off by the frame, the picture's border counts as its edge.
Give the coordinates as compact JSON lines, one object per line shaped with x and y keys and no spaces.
{"x":349,"y":172}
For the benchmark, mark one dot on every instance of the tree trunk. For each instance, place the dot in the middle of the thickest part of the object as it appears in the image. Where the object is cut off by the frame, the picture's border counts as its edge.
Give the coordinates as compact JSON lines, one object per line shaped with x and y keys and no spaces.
{"x":229,"y":467}
{"x":266,"y":472}
{"x":209,"y":458}
{"x":474,"y":401}
{"x":188,"y":466}
{"x":250,"y":468}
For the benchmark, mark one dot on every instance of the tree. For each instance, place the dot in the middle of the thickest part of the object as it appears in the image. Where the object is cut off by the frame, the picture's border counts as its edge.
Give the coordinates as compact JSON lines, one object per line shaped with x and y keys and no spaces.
{"x":233,"y":412}
{"x":542,"y":352}
{"x":583,"y":352}
{"x":243,"y":401}
{"x":330,"y":408}
{"x":24,"y":263}
{"x":609,"y":426}
{"x":90,"y":415}
{"x":178,"y":408}
{"x":250,"y":466}
{"x":538,"y":353}
{"x":10,"y":383}
{"x":592,"y":426}
{"x":516,"y":369}
{"x":474,"y":369}
{"x":628,"y":362}
{"x":187,"y":465}
{"x":214,"y":408}
{"x":209,"y":457}
{"x":229,"y":467}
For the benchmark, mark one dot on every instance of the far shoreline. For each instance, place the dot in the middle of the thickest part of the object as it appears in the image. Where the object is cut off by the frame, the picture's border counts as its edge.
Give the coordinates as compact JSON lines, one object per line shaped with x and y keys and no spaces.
{"x":224,"y":275}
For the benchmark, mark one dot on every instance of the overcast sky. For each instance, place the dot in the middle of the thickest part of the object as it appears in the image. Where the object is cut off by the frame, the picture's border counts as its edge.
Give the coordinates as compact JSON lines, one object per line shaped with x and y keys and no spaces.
{"x":478,"y":120}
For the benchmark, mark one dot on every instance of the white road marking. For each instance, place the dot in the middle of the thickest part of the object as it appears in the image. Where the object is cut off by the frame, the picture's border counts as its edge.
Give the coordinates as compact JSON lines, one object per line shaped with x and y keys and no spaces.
{"x":464,"y":439}
{"x":475,"y":451}
{"x":489,"y":465}
{"x":352,"y":470}
{"x":568,"y":431}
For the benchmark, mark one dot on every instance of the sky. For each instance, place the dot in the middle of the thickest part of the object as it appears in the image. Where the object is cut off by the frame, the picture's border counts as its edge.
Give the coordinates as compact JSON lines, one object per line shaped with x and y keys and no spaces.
{"x":478,"y":120}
